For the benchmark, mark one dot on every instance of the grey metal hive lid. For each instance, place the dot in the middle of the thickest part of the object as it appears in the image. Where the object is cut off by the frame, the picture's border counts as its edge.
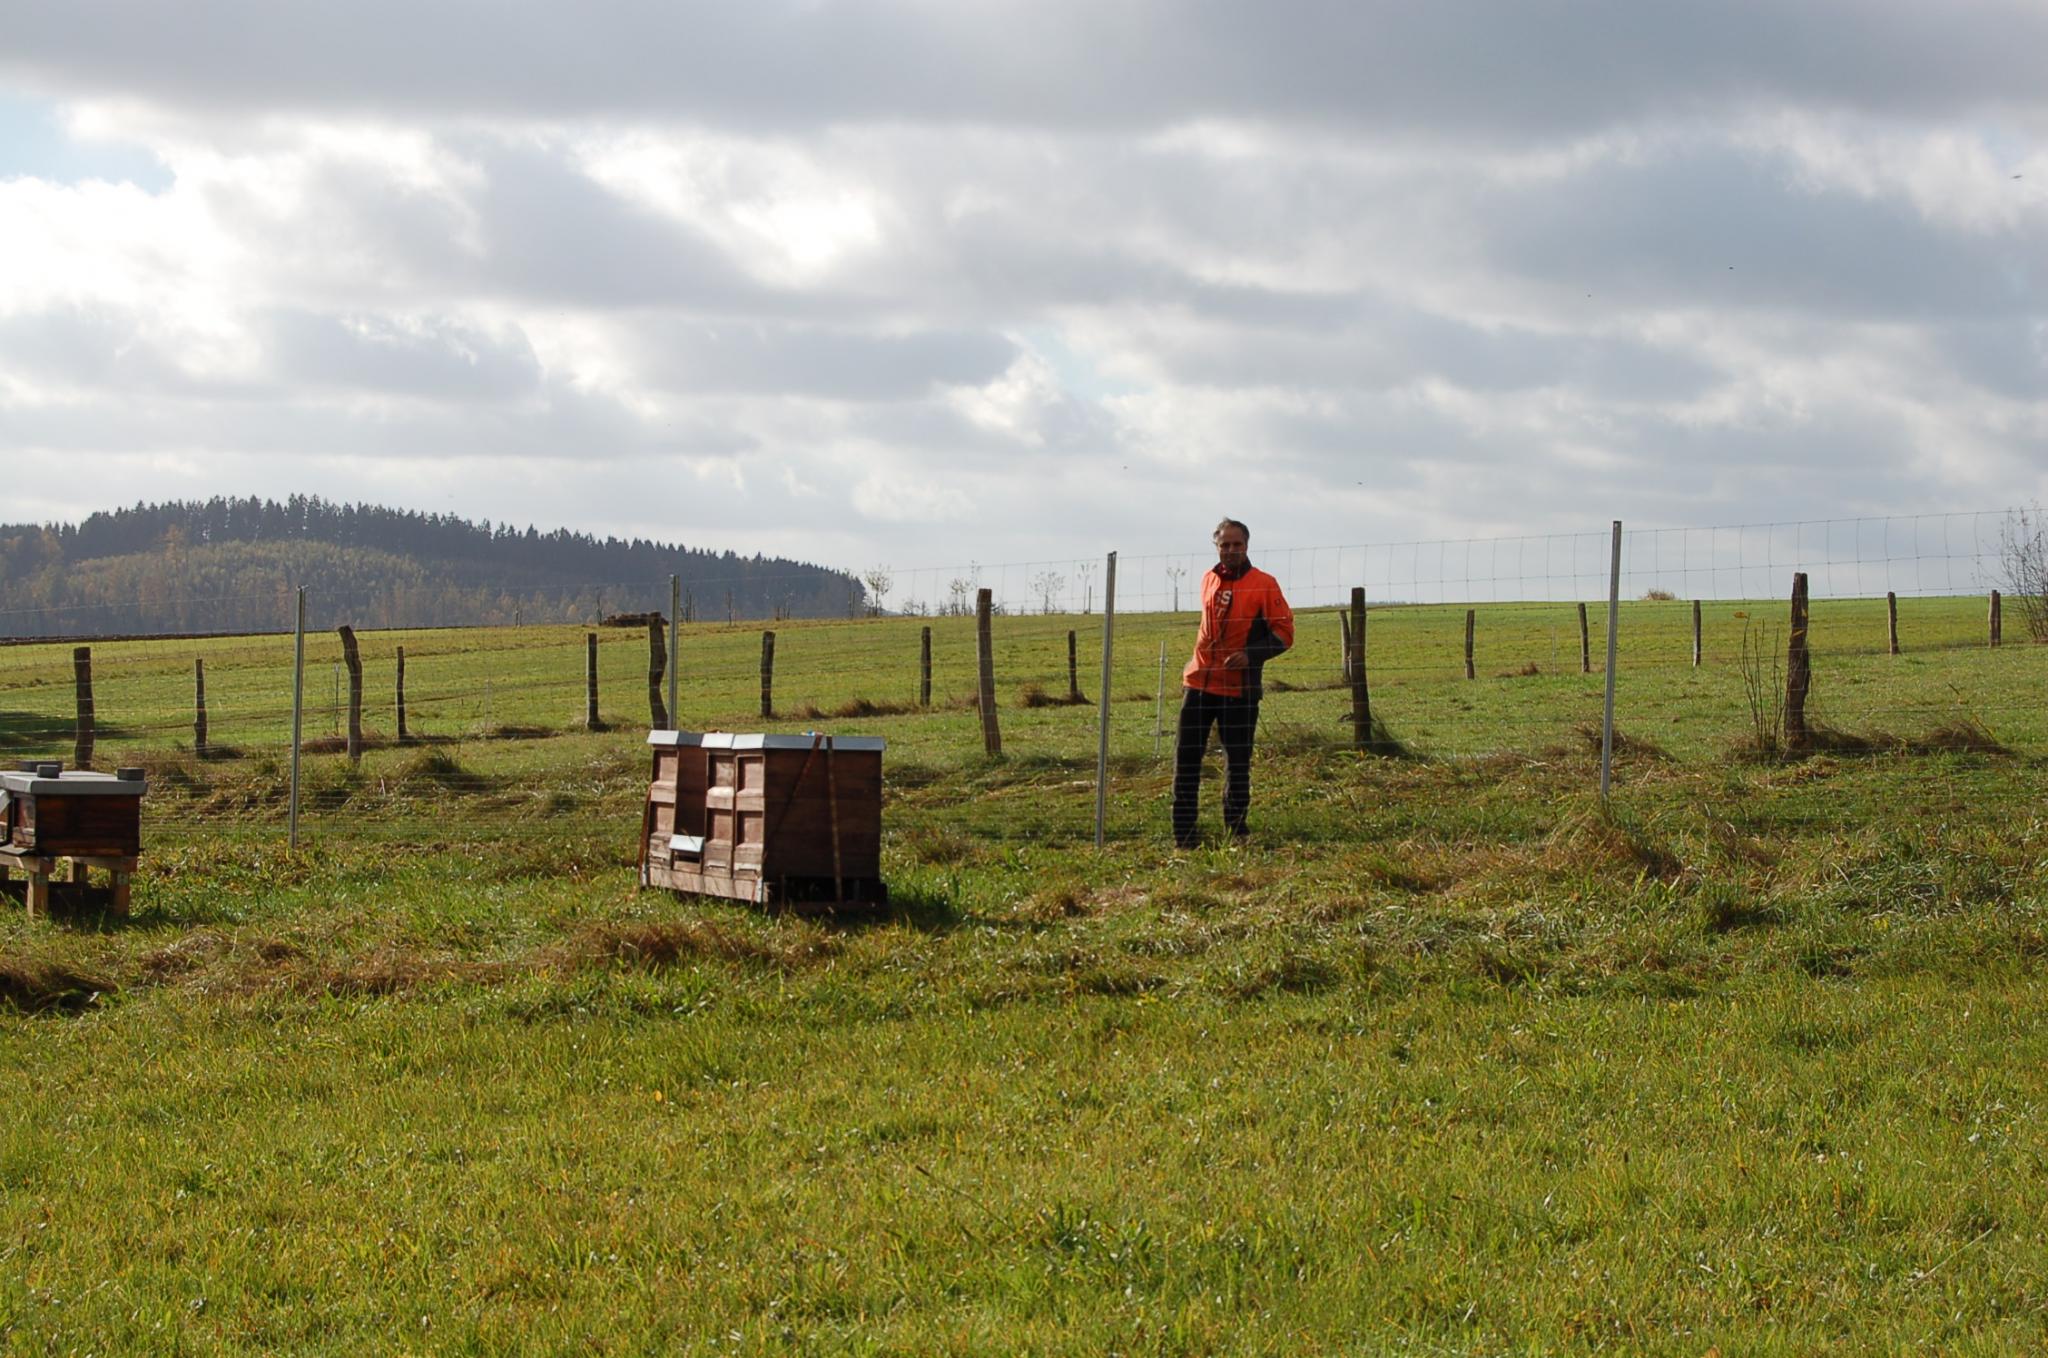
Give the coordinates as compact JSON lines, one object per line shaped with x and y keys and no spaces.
{"x":726,"y":740}
{"x":73,"y":782}
{"x":673,"y":739}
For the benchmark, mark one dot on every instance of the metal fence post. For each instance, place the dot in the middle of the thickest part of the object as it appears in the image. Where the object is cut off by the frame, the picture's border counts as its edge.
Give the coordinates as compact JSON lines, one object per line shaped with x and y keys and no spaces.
{"x":298,"y":706}
{"x":1159,"y":712}
{"x":1102,"y":744}
{"x":1613,"y":623}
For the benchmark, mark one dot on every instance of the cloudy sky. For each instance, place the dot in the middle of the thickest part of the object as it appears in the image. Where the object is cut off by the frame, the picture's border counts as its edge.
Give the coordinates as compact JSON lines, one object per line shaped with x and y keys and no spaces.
{"x":945,"y":280}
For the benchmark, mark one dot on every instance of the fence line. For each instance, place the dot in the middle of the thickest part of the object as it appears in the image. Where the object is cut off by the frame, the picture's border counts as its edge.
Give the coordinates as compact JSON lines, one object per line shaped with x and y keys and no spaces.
{"x":1469,"y":676}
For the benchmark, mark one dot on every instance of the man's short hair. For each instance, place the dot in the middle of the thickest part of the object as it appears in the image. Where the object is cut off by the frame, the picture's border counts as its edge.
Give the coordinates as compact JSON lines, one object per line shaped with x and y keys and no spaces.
{"x":1230,"y":523}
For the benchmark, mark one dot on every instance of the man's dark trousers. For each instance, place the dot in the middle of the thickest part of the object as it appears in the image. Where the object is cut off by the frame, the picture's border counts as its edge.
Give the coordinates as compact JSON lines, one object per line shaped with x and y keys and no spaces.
{"x":1235,"y":720}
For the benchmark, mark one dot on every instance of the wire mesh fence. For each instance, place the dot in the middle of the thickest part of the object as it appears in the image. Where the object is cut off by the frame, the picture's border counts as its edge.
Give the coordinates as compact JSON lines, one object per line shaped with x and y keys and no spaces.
{"x":1472,"y":648}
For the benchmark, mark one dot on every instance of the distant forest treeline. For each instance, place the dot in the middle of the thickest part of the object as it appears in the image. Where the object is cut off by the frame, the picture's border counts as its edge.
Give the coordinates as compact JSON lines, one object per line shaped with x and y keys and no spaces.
{"x":228,"y":565}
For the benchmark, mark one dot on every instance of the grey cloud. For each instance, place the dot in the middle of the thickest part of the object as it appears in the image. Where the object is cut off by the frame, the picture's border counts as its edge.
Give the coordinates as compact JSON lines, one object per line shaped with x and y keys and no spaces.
{"x":758,"y":357}
{"x":1391,"y":345}
{"x":1720,"y":228}
{"x":550,"y":233}
{"x":558,"y":423}
{"x":2006,"y":357}
{"x":87,"y":346}
{"x":1457,"y":67}
{"x":438,"y":358}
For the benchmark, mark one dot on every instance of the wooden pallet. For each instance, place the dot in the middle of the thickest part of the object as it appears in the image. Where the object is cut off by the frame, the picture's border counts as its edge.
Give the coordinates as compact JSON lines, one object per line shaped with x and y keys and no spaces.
{"x":793,"y":893}
{"x":40,"y":889}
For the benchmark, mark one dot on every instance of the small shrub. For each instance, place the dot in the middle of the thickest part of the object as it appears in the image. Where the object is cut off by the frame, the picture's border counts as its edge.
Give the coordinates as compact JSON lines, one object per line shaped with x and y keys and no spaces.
{"x":1659,"y":596}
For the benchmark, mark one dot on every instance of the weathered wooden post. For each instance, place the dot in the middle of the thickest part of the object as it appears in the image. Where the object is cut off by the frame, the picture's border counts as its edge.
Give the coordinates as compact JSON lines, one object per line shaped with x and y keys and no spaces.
{"x":657,"y":666}
{"x":1695,"y":633}
{"x":1073,"y":672}
{"x":81,"y":676}
{"x":924,"y":669}
{"x":1798,"y":669}
{"x":1891,"y":611}
{"x":199,"y":706}
{"x":404,"y":735}
{"x":1354,"y":660}
{"x":1471,"y":616}
{"x":767,"y":674}
{"x":353,"y":658}
{"x":1585,"y":643}
{"x":985,"y":651}
{"x":1997,"y":620}
{"x":591,"y":721}
{"x":1344,"y":628}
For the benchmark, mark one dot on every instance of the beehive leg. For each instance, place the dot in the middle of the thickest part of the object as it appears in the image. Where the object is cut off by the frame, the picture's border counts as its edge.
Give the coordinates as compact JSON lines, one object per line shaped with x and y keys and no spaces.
{"x":38,"y":897}
{"x":120,"y":898}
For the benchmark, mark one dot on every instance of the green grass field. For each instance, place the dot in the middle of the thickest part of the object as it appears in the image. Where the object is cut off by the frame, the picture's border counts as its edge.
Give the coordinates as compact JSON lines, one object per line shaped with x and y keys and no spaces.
{"x":1446,"y":1060}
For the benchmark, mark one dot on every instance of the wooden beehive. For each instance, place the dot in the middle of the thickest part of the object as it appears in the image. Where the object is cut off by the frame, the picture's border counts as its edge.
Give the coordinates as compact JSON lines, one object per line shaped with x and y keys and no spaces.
{"x":675,"y":796}
{"x":72,"y":813}
{"x":48,"y":815}
{"x":780,"y":818}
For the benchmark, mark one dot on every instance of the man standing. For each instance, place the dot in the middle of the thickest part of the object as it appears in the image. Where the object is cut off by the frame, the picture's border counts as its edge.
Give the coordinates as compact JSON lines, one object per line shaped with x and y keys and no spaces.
{"x":1245,"y":623}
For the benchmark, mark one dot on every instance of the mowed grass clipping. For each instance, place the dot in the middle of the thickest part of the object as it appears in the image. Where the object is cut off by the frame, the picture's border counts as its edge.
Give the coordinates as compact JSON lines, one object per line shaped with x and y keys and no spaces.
{"x":1450,"y":1058}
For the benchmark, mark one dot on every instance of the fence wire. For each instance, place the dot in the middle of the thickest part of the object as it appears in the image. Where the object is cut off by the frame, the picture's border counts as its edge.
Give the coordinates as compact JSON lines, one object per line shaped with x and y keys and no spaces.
{"x":497,"y":740}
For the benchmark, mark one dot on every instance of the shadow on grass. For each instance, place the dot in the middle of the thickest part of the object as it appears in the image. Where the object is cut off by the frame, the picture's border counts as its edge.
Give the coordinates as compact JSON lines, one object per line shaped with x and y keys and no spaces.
{"x":1964,"y":736}
{"x":41,"y":732}
{"x":33,"y":985}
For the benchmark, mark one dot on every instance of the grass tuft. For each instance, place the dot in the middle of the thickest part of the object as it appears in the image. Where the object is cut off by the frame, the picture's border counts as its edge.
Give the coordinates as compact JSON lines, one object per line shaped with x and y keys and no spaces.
{"x":668,"y":943}
{"x":34,"y":985}
{"x":442,"y":770}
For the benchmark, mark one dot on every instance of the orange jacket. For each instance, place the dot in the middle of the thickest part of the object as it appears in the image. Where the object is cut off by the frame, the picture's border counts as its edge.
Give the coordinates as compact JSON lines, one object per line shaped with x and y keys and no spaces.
{"x":1246,"y":614}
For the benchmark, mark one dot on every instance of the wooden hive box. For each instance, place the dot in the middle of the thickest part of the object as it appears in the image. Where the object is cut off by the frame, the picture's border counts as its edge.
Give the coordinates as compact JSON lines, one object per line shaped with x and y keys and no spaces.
{"x":675,"y":796}
{"x":48,"y":815}
{"x":786,"y":819}
{"x":75,"y":813}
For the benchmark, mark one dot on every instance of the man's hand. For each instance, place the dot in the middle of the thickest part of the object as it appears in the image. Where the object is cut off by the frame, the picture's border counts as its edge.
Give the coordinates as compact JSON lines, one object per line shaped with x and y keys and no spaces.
{"x":1236,"y":660}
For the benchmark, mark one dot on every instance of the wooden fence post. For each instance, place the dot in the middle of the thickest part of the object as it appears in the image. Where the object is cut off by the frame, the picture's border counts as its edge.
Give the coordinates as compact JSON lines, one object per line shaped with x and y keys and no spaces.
{"x":1585,"y":643}
{"x":1695,"y":633}
{"x":1997,"y":620}
{"x":657,"y":666}
{"x":81,"y":675}
{"x":985,"y":651}
{"x":1344,"y":627}
{"x":591,"y":721}
{"x":404,"y":736}
{"x":199,"y":706}
{"x":1471,"y":615}
{"x":767,"y":674}
{"x":1073,"y":672}
{"x":1798,"y":669}
{"x":1891,"y":610}
{"x":353,"y":658}
{"x":924,"y":669}
{"x":1354,"y":662}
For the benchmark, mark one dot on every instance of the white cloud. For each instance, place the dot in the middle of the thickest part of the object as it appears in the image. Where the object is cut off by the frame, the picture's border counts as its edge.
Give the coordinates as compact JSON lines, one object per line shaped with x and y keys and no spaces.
{"x":1007,"y":282}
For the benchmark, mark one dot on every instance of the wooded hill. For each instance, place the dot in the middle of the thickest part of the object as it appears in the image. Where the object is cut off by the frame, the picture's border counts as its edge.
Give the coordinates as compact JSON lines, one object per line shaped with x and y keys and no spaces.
{"x":227,"y":564}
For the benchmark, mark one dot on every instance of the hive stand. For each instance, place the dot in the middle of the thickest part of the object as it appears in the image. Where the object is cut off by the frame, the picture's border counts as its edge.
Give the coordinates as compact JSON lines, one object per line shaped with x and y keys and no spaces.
{"x":40,"y":886}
